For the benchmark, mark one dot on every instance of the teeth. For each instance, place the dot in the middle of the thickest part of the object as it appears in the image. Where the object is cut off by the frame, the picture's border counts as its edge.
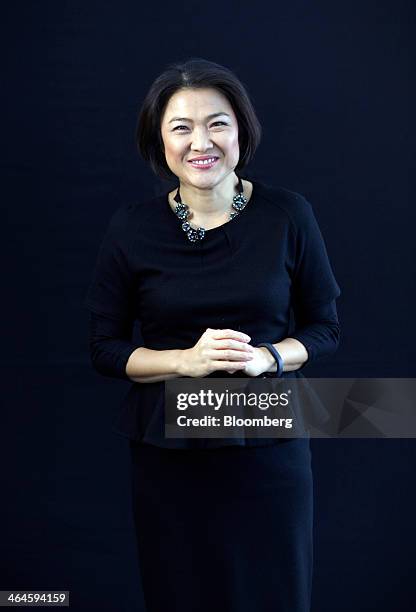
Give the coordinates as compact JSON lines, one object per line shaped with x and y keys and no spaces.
{"x":204,"y":161}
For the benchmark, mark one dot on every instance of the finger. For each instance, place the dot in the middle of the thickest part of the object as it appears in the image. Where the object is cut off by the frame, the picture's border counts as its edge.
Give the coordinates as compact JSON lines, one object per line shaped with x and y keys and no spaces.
{"x":219,"y":334}
{"x":237,"y":345}
{"x":228,"y":365}
{"x":231,"y":355}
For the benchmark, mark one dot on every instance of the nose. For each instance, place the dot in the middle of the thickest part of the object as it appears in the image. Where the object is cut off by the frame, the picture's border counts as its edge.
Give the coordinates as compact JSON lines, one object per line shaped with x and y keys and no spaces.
{"x":200,"y":140}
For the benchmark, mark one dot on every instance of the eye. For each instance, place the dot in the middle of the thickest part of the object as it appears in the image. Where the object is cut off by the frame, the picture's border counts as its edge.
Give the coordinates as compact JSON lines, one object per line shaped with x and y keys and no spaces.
{"x":177,"y":128}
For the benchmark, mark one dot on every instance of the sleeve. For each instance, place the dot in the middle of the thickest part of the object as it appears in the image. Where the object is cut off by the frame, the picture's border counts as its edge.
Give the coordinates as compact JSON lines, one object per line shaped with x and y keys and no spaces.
{"x":314,"y":288}
{"x":318,"y":329}
{"x":110,"y":345}
{"x":112,"y":285}
{"x":110,"y":300}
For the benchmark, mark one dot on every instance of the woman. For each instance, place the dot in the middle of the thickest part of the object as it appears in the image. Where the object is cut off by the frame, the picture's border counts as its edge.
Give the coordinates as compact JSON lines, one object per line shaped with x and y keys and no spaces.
{"x":212,"y":269}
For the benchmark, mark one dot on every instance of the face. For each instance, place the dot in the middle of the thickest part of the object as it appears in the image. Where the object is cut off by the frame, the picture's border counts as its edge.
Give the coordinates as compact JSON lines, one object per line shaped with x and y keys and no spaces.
{"x":189,"y":131}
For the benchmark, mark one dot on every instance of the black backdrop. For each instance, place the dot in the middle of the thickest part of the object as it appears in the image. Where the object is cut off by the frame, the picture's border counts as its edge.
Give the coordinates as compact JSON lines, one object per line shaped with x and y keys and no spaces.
{"x":333,"y":87}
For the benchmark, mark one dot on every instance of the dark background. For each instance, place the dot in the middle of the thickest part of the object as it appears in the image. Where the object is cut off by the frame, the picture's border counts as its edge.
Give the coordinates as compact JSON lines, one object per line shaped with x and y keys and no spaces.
{"x":333,"y":86}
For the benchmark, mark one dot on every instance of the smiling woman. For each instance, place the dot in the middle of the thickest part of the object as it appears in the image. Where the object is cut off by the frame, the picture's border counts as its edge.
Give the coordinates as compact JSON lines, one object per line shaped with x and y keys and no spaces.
{"x":203,"y":153}
{"x":200,"y":126}
{"x":232,"y":281}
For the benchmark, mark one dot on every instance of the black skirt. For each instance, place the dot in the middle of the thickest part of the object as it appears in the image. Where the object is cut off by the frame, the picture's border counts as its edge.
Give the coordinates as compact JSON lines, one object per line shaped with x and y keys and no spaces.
{"x":228,"y":529}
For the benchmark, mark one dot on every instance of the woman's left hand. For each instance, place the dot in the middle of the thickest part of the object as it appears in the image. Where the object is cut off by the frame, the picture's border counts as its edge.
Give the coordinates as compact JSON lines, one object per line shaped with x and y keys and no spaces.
{"x":260,"y":363}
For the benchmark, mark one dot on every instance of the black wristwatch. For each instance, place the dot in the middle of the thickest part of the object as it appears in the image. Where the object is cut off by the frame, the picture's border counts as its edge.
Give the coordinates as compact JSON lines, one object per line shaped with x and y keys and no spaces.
{"x":277,"y":357}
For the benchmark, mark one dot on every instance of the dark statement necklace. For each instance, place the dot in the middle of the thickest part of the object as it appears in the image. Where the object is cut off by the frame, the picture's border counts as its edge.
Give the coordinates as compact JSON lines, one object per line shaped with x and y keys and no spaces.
{"x":197,"y":233}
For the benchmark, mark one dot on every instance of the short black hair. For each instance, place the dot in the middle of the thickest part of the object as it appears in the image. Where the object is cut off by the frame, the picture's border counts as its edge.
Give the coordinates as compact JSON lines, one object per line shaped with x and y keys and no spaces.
{"x":194,"y":73}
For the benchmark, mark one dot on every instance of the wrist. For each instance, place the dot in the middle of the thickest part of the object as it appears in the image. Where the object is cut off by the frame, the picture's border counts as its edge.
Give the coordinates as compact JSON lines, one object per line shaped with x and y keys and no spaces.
{"x":182,"y":362}
{"x":269,"y":361}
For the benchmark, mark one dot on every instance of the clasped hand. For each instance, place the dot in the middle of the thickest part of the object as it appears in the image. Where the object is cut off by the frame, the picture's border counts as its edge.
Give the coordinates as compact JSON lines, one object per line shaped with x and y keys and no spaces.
{"x":223,"y":349}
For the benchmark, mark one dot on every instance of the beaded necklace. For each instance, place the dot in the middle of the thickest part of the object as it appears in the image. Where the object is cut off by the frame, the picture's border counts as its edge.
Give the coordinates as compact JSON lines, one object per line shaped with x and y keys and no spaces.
{"x":197,"y":233}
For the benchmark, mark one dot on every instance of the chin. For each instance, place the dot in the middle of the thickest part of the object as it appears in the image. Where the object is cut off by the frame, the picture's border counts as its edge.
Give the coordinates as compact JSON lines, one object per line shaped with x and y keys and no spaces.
{"x":207,"y":177}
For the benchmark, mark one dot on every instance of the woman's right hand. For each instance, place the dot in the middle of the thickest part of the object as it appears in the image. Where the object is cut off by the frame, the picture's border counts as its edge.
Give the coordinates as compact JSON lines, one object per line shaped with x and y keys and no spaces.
{"x":217,"y":349}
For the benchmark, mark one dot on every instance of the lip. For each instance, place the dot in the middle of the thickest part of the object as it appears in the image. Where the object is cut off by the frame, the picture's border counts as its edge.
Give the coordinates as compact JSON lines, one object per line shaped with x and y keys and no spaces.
{"x":203,"y":166}
{"x":202,"y":157}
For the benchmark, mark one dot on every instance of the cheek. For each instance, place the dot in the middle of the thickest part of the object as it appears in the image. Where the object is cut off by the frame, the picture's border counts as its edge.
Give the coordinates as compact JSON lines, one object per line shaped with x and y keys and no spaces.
{"x":233,"y":142}
{"x":173,"y":151}
{"x":229,"y":143}
{"x":234,"y":147}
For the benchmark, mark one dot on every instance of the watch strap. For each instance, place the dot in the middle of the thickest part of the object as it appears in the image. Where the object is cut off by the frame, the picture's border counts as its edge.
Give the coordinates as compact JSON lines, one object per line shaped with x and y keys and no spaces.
{"x":276,"y":355}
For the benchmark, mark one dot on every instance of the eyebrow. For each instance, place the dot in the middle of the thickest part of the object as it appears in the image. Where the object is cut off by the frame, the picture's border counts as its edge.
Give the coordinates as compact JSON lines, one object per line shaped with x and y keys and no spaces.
{"x":207,"y":118}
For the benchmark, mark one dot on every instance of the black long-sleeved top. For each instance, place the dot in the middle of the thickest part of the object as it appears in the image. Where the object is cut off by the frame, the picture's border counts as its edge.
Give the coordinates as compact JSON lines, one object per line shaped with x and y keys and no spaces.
{"x":265,"y":273}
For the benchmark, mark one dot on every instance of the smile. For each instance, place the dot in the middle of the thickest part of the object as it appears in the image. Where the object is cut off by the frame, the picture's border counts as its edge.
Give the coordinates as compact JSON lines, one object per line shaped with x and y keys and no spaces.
{"x":204,"y":164}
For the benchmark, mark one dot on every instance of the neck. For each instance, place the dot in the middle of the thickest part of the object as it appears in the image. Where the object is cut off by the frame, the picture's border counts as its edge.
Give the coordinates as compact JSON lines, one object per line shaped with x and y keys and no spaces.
{"x":210,"y":202}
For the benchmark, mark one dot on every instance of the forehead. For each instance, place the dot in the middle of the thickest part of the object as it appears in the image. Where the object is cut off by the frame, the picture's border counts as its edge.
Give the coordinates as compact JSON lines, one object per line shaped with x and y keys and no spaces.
{"x":197,"y":103}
